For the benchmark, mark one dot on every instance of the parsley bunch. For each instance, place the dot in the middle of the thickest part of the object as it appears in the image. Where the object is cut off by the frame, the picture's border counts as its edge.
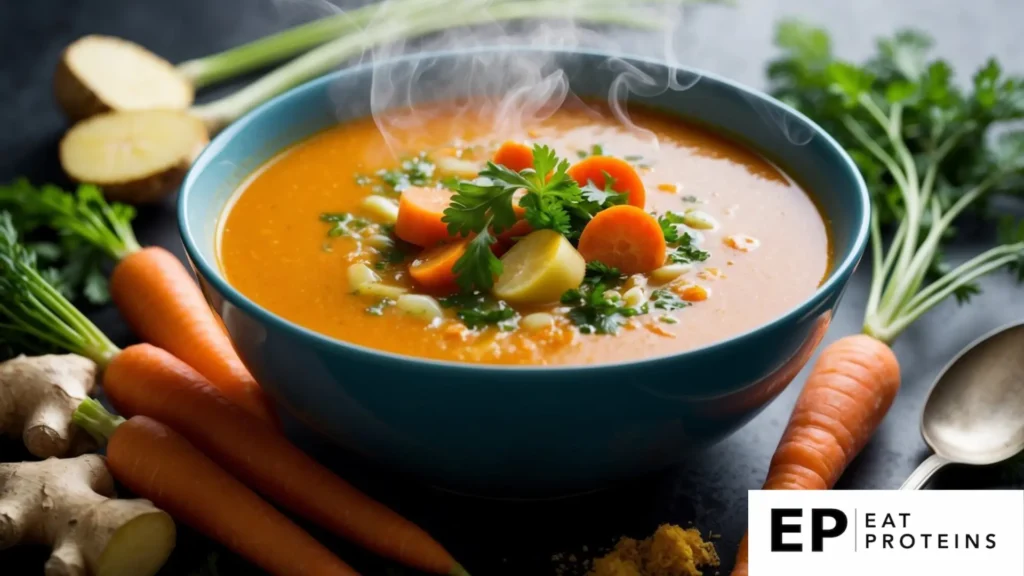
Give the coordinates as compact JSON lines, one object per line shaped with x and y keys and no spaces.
{"x":929,"y":151}
{"x":483,"y":206}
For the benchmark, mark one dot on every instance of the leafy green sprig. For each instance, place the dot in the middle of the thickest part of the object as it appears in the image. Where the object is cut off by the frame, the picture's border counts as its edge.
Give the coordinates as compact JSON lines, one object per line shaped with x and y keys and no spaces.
{"x":682,"y":249}
{"x":927,"y":150}
{"x":89,"y":231}
{"x":484,"y":207}
{"x":34,"y":312}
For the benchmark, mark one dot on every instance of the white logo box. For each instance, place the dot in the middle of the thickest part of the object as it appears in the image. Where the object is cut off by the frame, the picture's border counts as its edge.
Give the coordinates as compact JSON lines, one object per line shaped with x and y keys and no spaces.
{"x":888,"y":533}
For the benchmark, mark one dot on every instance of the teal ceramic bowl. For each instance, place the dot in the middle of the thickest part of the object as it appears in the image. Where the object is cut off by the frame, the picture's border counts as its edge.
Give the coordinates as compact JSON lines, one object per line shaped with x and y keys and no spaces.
{"x":525,"y":430}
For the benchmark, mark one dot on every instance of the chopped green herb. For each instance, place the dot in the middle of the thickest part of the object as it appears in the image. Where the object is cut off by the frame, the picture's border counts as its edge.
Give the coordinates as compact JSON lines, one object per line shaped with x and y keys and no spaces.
{"x":668,"y":319}
{"x":663,"y":299}
{"x":601,"y":273}
{"x":682,"y":250}
{"x":477,"y":310}
{"x":378,"y":308}
{"x":592,"y":313}
{"x":595,"y":150}
{"x":685,"y":252}
{"x":690,"y":199}
{"x":668,"y":222}
{"x":343,"y":223}
{"x":416,"y":171}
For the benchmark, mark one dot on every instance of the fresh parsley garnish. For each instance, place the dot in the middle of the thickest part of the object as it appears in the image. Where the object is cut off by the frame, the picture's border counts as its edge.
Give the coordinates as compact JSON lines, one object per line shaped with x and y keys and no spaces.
{"x":601,"y":273}
{"x":476,"y":310}
{"x":483,"y":206}
{"x":681,"y":247}
{"x":595,"y":150}
{"x":592,"y":313}
{"x":663,"y":299}
{"x":416,"y":171}
{"x":343,"y":223}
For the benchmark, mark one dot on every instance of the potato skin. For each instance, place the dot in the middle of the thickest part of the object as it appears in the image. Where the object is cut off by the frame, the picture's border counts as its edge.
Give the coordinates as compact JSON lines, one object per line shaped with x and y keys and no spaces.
{"x":76,"y":100}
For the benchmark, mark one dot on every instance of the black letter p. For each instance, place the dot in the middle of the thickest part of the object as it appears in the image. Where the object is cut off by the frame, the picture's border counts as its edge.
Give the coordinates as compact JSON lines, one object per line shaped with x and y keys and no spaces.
{"x":818,"y":532}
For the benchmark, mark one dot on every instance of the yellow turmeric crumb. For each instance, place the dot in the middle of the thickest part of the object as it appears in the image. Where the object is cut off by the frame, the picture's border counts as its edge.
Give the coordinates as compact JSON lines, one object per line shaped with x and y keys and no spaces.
{"x":669,"y":187}
{"x":670,"y":551}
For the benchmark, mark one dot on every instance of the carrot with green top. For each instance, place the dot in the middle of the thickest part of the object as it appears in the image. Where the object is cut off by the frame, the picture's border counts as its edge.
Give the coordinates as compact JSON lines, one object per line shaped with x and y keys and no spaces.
{"x":155,"y":294}
{"x":155,"y":462}
{"x":920,"y":187}
{"x":624,"y":237}
{"x":144,"y":380}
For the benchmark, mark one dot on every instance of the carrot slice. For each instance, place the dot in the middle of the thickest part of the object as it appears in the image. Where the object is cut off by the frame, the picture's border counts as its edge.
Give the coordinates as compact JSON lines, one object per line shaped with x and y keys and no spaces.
{"x":514,"y":156}
{"x":419,"y":216}
{"x":432,"y":269}
{"x":626,"y":180}
{"x":624,"y":237}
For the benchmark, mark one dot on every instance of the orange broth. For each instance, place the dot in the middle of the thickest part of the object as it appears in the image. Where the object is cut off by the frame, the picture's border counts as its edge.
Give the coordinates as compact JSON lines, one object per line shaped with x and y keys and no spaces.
{"x":275,"y":249}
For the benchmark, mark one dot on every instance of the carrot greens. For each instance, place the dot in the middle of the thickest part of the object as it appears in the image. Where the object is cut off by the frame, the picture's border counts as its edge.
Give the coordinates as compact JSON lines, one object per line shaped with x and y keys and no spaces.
{"x":34,"y":313}
{"x":930,"y":152}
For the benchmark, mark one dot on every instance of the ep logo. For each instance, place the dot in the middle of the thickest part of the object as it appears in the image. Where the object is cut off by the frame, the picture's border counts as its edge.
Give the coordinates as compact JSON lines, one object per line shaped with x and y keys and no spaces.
{"x":788,"y":528}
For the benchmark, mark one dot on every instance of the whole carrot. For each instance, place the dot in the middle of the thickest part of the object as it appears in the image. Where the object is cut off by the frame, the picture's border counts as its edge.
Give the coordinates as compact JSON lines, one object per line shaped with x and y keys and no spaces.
{"x":847,"y":395}
{"x":145,"y":380}
{"x":154,"y":461}
{"x":152,"y":289}
{"x":164,"y":306}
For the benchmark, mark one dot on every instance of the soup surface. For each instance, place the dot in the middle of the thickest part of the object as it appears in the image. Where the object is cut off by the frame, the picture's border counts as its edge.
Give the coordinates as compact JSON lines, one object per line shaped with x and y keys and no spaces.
{"x":301,"y":239}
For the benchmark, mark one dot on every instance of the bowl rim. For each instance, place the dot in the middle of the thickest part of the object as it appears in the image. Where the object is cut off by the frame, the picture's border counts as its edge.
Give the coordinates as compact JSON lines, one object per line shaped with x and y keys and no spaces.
{"x":212,"y":274}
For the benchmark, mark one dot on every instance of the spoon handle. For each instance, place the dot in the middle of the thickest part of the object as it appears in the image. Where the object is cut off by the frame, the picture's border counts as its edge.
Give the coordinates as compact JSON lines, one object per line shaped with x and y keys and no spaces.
{"x":924,"y":472}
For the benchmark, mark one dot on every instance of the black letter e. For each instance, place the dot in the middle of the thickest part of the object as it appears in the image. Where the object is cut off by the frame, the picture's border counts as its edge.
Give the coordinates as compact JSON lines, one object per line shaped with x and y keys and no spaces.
{"x":779,"y":528}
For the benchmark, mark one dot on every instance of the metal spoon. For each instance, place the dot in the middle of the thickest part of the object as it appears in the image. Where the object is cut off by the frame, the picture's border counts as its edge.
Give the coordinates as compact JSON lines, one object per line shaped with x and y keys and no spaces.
{"x":975,"y":413}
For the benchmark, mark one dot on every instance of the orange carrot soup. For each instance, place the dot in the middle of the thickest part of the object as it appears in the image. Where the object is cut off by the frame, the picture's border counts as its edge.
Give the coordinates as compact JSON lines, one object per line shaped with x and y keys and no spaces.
{"x":576,"y":241}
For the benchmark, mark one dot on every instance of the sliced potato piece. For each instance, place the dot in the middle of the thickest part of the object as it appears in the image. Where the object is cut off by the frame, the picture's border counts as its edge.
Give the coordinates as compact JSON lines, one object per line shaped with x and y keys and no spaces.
{"x":101,"y":73}
{"x":380,"y":290}
{"x":381,"y":208}
{"x":539,"y":268}
{"x":136,"y":157}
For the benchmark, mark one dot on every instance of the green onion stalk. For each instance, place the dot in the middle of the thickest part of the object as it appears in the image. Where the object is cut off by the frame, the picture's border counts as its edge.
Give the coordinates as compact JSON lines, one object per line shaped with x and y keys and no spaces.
{"x":424,"y":17}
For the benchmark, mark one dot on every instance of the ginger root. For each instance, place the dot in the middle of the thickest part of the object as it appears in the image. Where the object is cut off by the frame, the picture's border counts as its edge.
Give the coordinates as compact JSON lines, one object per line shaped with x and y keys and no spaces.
{"x":38,"y":394}
{"x":69,"y":505}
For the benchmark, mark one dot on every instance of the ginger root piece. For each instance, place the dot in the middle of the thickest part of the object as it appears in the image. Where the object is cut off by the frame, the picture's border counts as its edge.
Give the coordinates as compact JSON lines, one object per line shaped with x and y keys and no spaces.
{"x":38,"y":394}
{"x":101,"y":73}
{"x":69,"y":505}
{"x":137,"y":156}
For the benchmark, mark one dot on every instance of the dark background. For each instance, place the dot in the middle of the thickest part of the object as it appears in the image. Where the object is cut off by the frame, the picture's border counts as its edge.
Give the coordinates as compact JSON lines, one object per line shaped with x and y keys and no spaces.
{"x":520,"y":538}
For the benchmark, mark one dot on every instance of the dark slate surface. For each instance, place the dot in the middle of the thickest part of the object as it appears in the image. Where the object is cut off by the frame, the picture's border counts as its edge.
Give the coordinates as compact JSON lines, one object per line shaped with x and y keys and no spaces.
{"x":517,"y":538}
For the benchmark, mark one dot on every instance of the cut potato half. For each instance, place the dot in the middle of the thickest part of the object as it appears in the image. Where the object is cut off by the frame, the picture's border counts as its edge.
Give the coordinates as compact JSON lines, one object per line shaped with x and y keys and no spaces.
{"x":101,"y":73}
{"x":136,"y":157}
